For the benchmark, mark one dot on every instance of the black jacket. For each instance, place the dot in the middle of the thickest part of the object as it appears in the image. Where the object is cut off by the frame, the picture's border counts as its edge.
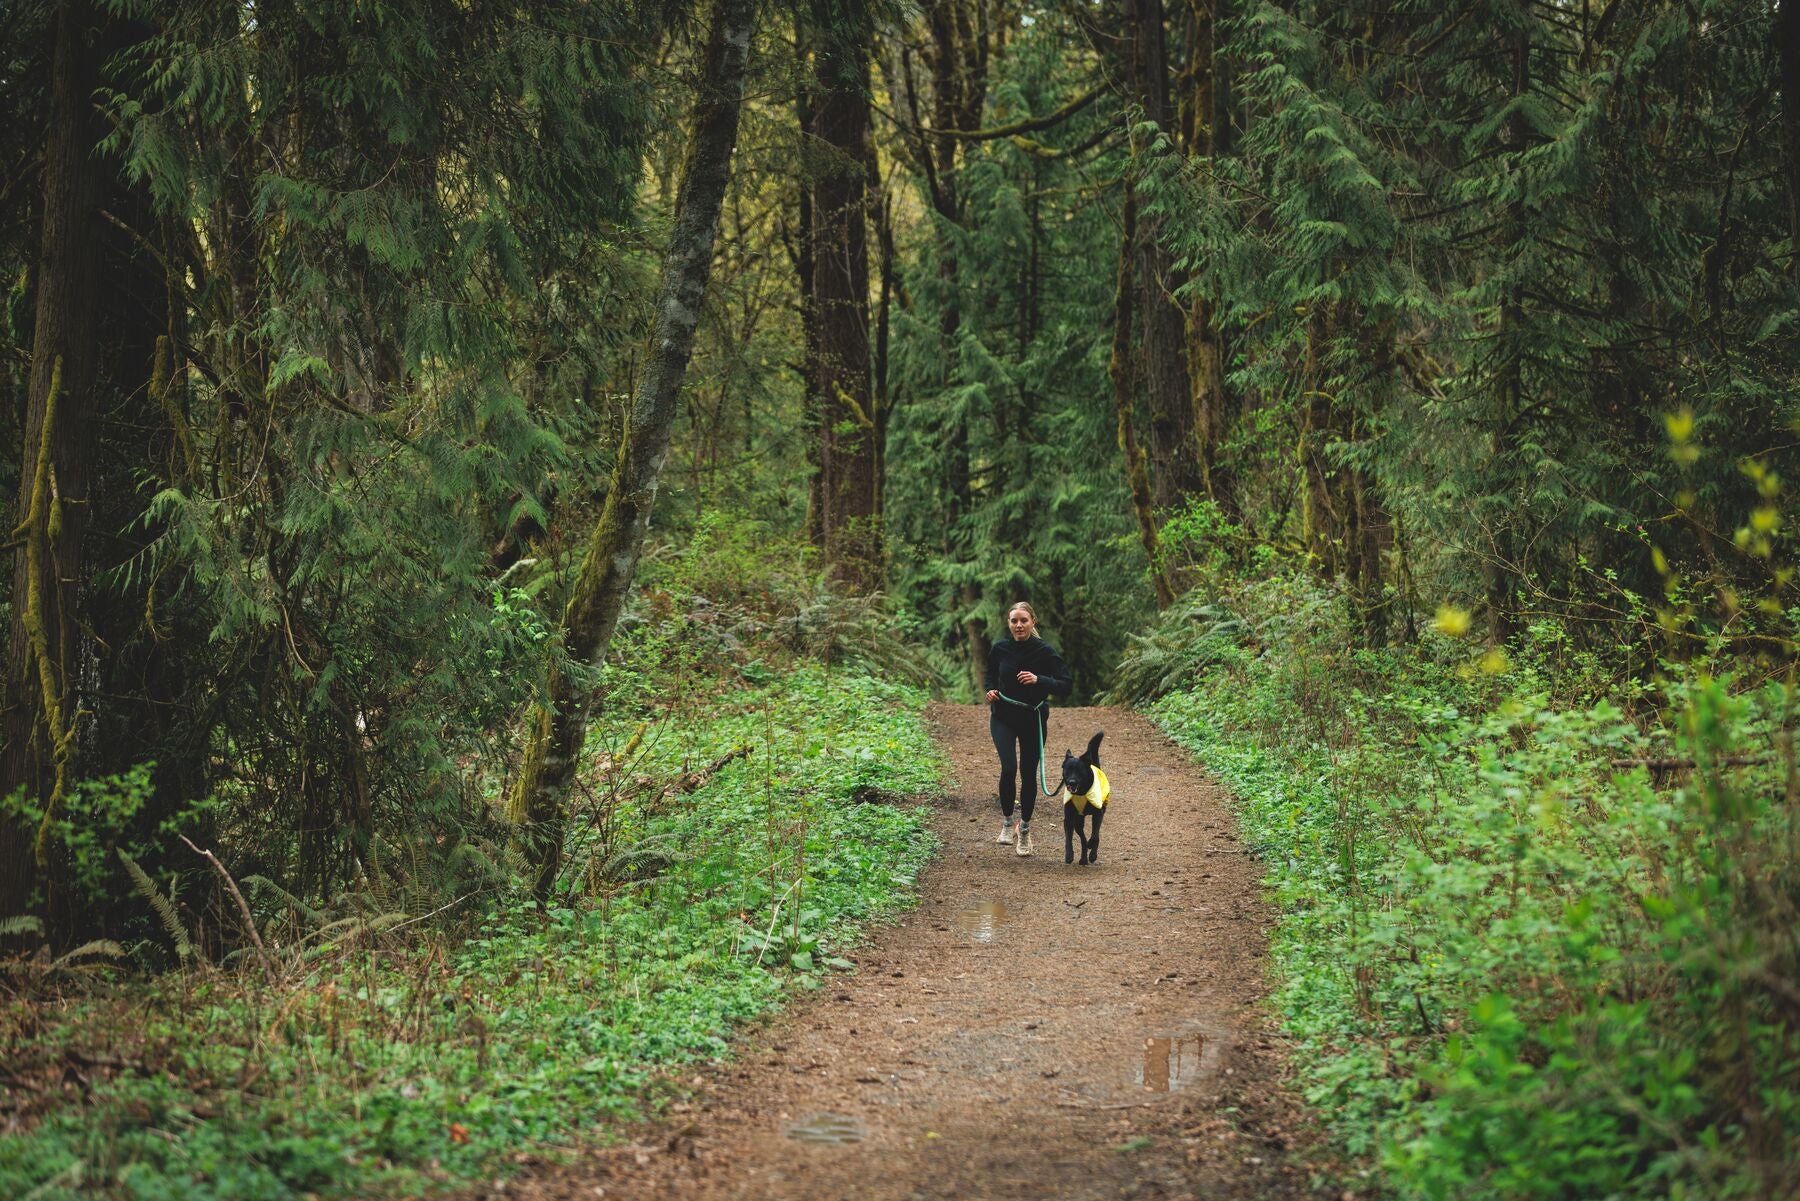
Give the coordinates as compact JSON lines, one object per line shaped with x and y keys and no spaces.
{"x":1008,"y":657}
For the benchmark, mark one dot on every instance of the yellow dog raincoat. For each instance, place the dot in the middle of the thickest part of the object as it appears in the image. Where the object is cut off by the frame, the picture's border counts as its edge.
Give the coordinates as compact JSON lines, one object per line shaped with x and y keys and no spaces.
{"x":1096,"y":796}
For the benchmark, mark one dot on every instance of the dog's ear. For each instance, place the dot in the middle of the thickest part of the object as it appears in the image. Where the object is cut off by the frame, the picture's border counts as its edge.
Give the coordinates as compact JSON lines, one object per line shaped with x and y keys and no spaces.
{"x":1093,"y":751}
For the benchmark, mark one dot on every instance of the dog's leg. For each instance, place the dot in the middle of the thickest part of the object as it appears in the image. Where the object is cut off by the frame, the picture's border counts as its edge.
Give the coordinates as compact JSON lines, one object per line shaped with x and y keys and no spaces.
{"x":1071,"y":823}
{"x":1091,"y":847}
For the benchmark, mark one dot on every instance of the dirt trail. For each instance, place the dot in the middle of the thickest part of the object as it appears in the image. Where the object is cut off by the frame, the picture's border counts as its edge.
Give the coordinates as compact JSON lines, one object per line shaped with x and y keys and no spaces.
{"x":1031,"y":1030}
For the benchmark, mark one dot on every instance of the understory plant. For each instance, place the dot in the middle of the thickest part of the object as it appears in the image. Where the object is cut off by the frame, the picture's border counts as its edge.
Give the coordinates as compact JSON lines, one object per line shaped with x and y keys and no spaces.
{"x":736,"y":829}
{"x":1538,"y":921}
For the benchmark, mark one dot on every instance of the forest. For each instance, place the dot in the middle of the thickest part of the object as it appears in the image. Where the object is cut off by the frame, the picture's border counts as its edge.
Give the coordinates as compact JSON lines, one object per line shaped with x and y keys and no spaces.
{"x":498,"y":487}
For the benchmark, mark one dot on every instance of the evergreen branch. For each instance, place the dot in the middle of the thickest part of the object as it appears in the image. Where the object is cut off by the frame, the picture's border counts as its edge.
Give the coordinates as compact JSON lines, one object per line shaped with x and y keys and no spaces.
{"x":1027,"y":125}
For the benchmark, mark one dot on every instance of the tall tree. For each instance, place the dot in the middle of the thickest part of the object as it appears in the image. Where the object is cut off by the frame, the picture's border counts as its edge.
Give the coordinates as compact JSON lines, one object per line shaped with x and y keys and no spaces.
{"x":1204,"y":119}
{"x":324,"y":378}
{"x":957,"y":52}
{"x":43,"y":712}
{"x":1175,"y":466}
{"x":849,"y":423}
{"x":1786,"y":38}
{"x":540,"y":793}
{"x":1120,"y":371}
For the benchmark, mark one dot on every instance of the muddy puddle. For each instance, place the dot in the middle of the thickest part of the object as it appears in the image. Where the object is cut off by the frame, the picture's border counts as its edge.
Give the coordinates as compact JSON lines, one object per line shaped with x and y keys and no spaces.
{"x":982,"y":918}
{"x":828,"y":1129}
{"x":1173,"y":1062}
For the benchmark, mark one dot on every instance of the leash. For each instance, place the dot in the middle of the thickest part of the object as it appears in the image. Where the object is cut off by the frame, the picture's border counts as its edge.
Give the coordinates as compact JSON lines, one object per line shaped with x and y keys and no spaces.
{"x":1038,"y":724}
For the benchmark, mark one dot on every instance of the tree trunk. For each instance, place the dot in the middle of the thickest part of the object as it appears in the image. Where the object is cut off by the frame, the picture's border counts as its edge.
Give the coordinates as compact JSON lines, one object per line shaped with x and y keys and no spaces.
{"x":848,"y":454}
{"x":42,"y":713}
{"x":1174,"y":467}
{"x":1321,"y":523}
{"x":1501,"y":565}
{"x":1202,"y":114}
{"x":958,"y":62}
{"x":882,"y":207}
{"x":1787,"y":50}
{"x":1137,"y":474}
{"x":560,"y":727}
{"x":812,"y":409}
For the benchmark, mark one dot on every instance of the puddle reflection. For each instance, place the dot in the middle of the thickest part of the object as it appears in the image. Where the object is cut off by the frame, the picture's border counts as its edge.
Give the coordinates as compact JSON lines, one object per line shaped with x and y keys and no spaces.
{"x":982,"y":918}
{"x":1171,"y":1062}
{"x":831,"y":1129}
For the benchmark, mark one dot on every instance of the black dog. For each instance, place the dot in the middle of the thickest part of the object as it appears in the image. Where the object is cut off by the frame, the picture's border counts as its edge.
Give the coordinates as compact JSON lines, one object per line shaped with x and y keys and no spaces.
{"x":1086,"y":792}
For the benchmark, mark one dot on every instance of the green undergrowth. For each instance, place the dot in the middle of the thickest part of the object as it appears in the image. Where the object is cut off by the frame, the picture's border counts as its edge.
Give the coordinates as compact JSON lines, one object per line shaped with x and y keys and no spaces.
{"x":390,"y":1062}
{"x":1528,"y":947}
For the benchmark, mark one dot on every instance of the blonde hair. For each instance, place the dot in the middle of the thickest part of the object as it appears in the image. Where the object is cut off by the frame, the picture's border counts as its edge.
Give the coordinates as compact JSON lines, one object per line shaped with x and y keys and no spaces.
{"x":1025,"y":605}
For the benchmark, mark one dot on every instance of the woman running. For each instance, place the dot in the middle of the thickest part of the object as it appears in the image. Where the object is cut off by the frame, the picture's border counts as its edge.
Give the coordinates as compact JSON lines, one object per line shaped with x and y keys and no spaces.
{"x":1023,"y":672}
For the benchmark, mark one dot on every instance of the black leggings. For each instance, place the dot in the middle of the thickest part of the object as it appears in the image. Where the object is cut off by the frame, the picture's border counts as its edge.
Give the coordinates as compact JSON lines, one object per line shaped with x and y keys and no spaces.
{"x":1016,"y":734}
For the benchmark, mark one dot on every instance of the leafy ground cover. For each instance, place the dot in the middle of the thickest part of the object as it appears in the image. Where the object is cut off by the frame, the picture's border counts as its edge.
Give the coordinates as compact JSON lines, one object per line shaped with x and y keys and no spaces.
{"x":1529,"y":946}
{"x":727,"y":850}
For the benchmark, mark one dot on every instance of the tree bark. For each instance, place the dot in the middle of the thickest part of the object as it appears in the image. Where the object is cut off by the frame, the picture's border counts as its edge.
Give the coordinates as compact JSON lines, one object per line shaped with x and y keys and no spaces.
{"x":848,"y":455}
{"x":1174,"y":467}
{"x":1200,"y":85}
{"x":1787,"y":51}
{"x":1321,"y":523}
{"x":42,"y":712}
{"x":812,"y":409}
{"x":1137,"y":474}
{"x":560,"y":727}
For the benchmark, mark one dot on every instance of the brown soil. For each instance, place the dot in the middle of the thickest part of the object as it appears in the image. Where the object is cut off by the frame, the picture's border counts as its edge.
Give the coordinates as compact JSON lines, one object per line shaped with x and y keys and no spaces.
{"x":1033,"y":1029}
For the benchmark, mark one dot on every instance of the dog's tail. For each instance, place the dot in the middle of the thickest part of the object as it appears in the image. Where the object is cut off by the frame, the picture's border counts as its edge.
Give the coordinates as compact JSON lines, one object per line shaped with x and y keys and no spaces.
{"x":1092,"y":754}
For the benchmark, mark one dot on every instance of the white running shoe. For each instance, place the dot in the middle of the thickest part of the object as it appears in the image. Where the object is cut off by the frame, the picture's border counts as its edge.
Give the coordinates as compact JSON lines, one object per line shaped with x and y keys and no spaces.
{"x":1006,"y":830}
{"x":1024,"y":847}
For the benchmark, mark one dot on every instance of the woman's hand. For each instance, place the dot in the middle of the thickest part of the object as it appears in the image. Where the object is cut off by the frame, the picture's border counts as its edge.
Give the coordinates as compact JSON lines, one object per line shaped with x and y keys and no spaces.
{"x":1028,"y":677}
{"x":993,"y":695}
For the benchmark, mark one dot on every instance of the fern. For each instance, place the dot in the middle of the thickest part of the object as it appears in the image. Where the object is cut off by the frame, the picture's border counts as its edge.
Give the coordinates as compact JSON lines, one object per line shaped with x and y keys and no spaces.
{"x":262,"y":884}
{"x":88,"y":950}
{"x":164,"y":907}
{"x":20,"y":924}
{"x":643,"y":860}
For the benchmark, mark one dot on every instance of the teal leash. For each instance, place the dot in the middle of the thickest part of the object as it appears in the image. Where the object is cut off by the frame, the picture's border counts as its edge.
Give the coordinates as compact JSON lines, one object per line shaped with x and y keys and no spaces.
{"x":1039,"y":725}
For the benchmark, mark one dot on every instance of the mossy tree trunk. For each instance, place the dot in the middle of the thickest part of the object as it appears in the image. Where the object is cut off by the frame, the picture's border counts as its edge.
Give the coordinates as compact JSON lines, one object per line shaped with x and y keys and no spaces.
{"x":559,"y":727}
{"x":1204,"y":122}
{"x":42,"y":713}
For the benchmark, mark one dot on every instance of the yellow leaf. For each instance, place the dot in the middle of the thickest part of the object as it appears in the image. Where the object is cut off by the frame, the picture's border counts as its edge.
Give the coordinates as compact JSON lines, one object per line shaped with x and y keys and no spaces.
{"x":1659,"y":560}
{"x":1765,"y":520}
{"x":1452,"y":621}
{"x":1494,"y":662}
{"x":1680,"y":424}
